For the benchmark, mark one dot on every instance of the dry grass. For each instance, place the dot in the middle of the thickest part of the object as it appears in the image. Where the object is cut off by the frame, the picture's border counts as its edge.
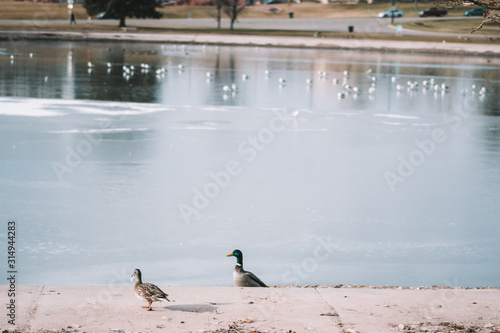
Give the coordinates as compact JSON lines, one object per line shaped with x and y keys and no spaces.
{"x":453,"y":26}
{"x":237,"y":31}
{"x":362,"y":10}
{"x":38,"y":11}
{"x":31,"y":26}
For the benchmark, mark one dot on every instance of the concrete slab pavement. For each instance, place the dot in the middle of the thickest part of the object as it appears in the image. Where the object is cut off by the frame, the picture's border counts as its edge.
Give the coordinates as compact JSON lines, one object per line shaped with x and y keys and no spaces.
{"x":206,"y":309}
{"x":378,"y":310}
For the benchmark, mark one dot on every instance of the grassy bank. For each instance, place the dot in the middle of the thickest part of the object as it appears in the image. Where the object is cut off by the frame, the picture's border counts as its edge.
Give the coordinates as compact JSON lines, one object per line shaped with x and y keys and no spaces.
{"x":307,"y":10}
{"x":268,"y":32}
{"x":453,"y":26}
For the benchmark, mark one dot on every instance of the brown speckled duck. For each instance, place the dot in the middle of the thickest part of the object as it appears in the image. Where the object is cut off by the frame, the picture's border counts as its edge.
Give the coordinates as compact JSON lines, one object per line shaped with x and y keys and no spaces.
{"x":241,"y":277}
{"x":147,"y":292}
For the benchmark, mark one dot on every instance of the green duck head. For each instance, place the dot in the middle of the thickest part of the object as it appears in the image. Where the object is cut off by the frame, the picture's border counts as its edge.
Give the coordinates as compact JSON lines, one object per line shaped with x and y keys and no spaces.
{"x":239,"y":256}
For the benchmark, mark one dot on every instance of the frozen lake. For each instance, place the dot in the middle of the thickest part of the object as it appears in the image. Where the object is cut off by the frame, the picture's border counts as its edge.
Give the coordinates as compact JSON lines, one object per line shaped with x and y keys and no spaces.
{"x":106,"y":170}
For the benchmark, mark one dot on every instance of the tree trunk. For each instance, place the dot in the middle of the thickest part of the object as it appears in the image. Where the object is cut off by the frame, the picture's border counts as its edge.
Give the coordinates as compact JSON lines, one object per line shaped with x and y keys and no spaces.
{"x":232,"y":24}
{"x":219,"y":13}
{"x":122,"y":22}
{"x":234,"y":13}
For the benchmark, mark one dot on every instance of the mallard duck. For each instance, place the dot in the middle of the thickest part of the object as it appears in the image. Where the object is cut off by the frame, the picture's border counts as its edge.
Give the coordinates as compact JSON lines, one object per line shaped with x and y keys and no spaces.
{"x":241,"y":277}
{"x":147,"y":292}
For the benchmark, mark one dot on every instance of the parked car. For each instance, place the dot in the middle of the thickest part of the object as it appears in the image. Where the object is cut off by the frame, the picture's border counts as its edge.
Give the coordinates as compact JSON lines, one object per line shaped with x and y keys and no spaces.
{"x":476,"y":12}
{"x":167,"y":3}
{"x":433,"y":11}
{"x":272,"y":2}
{"x":391,"y":13}
{"x":107,"y":15}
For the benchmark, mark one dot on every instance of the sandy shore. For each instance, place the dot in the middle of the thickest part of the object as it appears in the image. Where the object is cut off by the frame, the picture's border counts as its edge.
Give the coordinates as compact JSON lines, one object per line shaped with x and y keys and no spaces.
{"x":279,"y":41}
{"x":216,"y":309}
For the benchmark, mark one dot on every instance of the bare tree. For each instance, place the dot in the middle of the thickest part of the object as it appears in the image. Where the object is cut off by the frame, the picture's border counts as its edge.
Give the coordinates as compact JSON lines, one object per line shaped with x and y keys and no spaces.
{"x":218,"y":5}
{"x":491,"y":6}
{"x":232,"y":8}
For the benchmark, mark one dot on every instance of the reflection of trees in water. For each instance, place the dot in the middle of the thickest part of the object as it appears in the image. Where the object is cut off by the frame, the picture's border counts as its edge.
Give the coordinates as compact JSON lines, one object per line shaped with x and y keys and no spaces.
{"x":489,"y":147}
{"x":490,"y":103}
{"x":491,"y":136}
{"x":103,"y":83}
{"x":33,"y":77}
{"x":491,"y":141}
{"x":217,"y":73}
{"x":65,"y":66}
{"x":142,"y":88}
{"x":230,"y":75}
{"x":224,"y":69}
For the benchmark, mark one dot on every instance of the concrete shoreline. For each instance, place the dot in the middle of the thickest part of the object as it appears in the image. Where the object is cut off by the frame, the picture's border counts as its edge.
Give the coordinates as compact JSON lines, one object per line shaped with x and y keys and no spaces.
{"x":414,"y":47}
{"x":214,"y":309}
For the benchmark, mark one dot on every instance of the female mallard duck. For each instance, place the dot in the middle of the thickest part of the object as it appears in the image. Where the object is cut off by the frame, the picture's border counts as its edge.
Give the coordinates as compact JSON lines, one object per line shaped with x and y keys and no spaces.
{"x":241,"y":277}
{"x":147,"y":292}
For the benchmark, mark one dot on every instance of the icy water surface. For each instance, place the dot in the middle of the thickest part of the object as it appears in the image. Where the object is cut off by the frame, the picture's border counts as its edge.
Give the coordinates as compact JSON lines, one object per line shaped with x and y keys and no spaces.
{"x":106,"y":170}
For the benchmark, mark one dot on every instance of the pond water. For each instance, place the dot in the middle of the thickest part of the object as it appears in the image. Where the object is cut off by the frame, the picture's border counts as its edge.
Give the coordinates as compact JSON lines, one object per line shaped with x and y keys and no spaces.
{"x":158,"y":168}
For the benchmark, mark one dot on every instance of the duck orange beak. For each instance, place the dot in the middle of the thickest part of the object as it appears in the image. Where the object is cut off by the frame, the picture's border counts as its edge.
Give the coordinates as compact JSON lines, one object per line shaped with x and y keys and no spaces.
{"x":230,"y":255}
